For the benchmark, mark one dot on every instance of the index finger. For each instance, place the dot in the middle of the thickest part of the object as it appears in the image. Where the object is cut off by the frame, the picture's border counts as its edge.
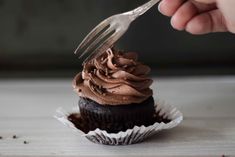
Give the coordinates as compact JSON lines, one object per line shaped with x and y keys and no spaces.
{"x":169,"y":7}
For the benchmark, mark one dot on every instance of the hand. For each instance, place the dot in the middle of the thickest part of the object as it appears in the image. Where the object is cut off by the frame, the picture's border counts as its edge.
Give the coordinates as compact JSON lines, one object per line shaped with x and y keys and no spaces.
{"x":200,"y":16}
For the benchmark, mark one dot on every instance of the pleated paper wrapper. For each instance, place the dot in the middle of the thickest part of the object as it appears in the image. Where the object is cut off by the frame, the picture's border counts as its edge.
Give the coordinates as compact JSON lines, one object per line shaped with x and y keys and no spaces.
{"x":130,"y":136}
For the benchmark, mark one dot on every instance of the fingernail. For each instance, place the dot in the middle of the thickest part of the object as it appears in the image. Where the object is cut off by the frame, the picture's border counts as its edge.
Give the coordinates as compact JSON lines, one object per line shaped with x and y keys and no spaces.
{"x":175,"y":25}
{"x":159,"y":7}
{"x":172,"y":21}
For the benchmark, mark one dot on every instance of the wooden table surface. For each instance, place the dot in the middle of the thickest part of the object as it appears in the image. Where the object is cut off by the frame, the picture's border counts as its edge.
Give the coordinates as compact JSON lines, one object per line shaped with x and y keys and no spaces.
{"x":208,"y":129}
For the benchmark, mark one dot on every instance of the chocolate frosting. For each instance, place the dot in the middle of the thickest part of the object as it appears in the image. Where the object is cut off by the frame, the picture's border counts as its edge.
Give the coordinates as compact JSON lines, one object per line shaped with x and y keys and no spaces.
{"x":114,"y":78}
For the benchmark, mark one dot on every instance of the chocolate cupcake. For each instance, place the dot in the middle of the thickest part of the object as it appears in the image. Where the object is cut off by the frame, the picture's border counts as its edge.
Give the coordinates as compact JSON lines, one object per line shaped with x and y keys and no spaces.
{"x":115,"y":93}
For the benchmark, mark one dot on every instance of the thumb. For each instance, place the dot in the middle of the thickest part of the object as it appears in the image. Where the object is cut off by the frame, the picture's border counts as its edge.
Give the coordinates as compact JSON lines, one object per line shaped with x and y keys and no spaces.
{"x":227,"y":8}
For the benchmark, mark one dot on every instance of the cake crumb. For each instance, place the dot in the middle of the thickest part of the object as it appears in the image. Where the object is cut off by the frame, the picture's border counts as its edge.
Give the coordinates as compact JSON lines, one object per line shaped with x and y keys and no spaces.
{"x":14,"y":136}
{"x":26,"y":142}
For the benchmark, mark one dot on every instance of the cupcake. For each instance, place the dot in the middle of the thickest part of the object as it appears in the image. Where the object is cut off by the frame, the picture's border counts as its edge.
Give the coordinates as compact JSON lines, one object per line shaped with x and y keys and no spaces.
{"x":116,"y":104}
{"x":115,"y":94}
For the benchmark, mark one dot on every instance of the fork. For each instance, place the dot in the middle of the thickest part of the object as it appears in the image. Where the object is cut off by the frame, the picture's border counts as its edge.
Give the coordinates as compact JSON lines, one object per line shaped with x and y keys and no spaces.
{"x":105,"y":34}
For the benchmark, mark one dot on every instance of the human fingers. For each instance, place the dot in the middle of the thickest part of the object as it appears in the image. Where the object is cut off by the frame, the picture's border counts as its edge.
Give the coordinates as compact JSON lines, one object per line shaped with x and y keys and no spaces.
{"x":169,"y":7}
{"x":184,"y":13}
{"x":212,"y":21}
{"x":206,"y":1}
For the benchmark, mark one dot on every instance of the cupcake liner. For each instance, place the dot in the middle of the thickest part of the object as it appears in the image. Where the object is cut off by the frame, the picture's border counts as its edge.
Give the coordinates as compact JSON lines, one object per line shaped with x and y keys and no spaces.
{"x":130,"y":136}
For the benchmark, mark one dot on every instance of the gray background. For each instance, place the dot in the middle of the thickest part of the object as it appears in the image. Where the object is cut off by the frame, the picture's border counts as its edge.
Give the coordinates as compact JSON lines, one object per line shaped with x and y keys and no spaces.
{"x":40,"y":35}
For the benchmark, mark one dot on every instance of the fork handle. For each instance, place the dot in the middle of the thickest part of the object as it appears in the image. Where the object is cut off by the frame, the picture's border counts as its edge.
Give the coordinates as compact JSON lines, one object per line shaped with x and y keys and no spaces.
{"x":142,"y":9}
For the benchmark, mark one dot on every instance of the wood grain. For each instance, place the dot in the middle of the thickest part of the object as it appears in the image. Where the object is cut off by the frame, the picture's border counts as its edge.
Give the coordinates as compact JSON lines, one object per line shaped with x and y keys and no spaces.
{"x":208,"y":104}
{"x":195,"y":97}
{"x":47,"y":137}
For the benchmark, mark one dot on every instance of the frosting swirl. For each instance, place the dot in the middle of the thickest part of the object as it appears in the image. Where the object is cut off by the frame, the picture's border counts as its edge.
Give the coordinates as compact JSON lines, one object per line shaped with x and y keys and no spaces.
{"x":114,"y":78}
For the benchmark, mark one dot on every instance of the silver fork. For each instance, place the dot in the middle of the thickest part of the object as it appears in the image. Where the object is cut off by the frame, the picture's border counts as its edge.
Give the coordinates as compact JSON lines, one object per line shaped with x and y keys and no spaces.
{"x":105,"y":34}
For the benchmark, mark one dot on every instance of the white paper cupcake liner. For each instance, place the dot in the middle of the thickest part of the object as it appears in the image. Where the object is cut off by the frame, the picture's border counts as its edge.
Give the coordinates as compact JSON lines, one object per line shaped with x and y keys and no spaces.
{"x":130,"y":136}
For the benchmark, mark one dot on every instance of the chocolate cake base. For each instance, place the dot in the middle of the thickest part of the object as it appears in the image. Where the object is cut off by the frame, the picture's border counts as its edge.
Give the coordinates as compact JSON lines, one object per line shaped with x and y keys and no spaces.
{"x":85,"y":126}
{"x":115,"y":118}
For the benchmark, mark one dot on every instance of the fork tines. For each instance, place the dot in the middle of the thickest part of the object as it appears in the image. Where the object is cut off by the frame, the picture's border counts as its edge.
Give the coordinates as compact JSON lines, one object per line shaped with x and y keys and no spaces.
{"x":95,"y":40}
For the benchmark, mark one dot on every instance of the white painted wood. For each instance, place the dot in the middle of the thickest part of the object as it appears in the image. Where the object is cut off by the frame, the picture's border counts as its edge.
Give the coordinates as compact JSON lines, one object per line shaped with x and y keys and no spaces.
{"x":208,"y":104}
{"x":195,"y":97}
{"x":47,"y":137}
